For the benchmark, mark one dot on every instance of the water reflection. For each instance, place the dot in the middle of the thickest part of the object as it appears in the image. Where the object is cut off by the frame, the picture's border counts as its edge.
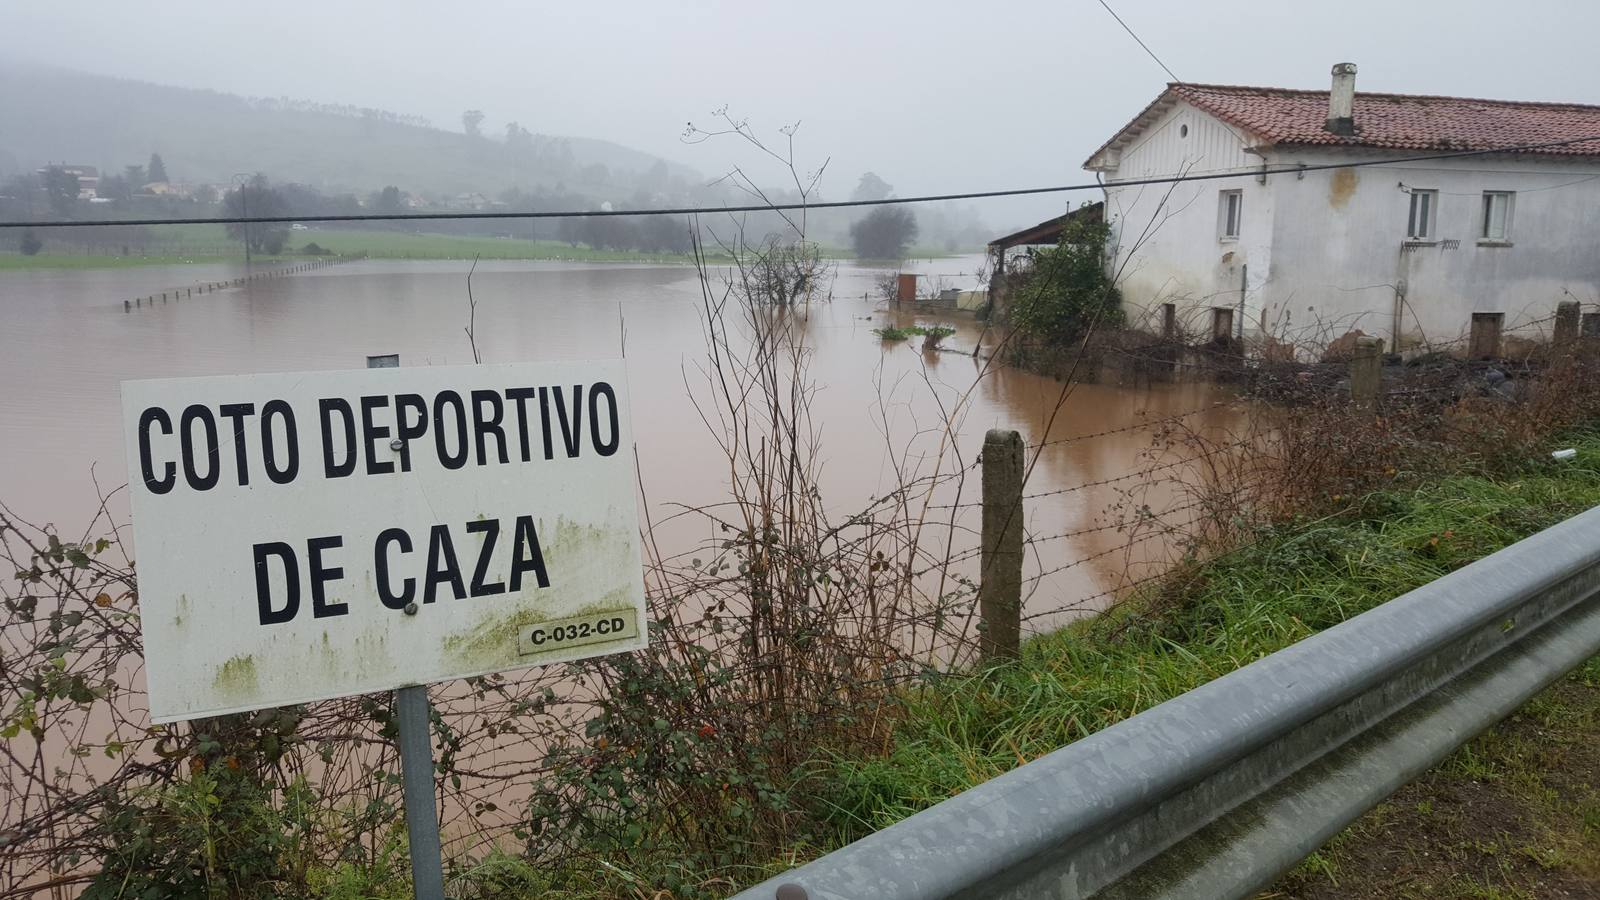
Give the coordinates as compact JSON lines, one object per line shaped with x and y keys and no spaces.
{"x":881,"y":408}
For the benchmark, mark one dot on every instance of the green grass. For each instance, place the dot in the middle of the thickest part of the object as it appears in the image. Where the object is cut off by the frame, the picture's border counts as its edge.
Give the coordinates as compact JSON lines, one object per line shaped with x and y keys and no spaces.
{"x":1296,"y":580}
{"x":409,"y":245}
{"x":183,"y":244}
{"x":934,"y":333}
{"x":17,"y":262}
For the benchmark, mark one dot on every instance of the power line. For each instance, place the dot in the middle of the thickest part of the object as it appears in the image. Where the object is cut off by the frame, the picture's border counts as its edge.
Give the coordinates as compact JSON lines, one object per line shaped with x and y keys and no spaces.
{"x":771,"y":207}
{"x":1136,"y":39}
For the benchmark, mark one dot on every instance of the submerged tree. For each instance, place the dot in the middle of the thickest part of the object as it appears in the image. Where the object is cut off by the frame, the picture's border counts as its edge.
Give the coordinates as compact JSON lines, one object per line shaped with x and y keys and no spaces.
{"x":255,"y":200}
{"x":884,"y":233}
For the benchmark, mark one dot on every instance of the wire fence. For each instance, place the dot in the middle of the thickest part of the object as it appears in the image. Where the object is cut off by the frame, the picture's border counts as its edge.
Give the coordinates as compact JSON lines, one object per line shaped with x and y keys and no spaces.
{"x":877,"y":598}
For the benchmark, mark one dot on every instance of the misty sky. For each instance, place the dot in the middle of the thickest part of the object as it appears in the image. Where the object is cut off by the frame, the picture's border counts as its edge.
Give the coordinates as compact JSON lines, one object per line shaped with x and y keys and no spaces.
{"x":934,"y":96}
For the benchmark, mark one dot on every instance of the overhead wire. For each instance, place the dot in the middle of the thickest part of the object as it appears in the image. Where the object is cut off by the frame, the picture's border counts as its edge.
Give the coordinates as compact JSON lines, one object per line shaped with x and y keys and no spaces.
{"x":1142,"y":45}
{"x":775,"y":207}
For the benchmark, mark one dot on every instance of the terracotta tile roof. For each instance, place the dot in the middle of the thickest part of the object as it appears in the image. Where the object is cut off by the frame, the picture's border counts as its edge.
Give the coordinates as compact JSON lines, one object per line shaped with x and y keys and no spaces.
{"x":1391,"y":121}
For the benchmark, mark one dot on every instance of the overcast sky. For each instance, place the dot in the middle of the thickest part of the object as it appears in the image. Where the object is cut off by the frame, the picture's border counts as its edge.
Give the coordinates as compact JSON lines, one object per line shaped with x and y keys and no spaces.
{"x":934,"y":96}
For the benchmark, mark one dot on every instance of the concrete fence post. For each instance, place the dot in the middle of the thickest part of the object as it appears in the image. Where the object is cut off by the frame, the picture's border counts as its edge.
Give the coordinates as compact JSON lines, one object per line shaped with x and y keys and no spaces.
{"x":1484,"y":339}
{"x":1566,"y":323}
{"x":1000,"y":581}
{"x":1366,"y":371}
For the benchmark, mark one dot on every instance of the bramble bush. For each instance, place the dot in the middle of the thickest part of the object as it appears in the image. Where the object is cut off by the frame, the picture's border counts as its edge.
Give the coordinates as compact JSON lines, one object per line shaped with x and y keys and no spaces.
{"x":1058,"y":294}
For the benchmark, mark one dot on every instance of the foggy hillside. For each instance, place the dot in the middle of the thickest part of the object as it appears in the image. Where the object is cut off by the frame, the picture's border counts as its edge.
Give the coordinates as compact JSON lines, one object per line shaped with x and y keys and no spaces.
{"x":206,"y":137}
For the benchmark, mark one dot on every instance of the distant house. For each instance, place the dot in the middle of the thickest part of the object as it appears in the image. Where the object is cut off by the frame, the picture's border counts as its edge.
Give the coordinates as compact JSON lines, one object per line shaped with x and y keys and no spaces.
{"x":1409,"y":251}
{"x":88,"y":178}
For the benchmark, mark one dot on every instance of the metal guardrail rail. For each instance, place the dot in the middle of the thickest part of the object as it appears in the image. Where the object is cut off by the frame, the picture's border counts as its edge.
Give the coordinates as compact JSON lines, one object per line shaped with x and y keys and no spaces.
{"x":1217,"y":792}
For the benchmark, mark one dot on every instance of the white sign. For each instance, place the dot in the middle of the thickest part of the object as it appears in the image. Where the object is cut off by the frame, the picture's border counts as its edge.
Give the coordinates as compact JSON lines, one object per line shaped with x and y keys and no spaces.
{"x":314,"y":535}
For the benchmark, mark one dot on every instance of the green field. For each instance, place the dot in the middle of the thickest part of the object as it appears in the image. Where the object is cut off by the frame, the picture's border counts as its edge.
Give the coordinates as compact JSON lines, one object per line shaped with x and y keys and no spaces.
{"x":183,"y":244}
{"x":16,"y":261}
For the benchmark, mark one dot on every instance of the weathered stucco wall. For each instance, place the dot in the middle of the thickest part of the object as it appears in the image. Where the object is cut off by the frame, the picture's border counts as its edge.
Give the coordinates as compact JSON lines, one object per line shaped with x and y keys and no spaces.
{"x":1326,"y":252}
{"x":1168,"y":242}
{"x":1341,"y":258}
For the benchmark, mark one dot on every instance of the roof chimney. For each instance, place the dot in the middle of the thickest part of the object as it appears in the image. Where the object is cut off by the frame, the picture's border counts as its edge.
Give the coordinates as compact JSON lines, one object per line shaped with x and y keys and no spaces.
{"x":1342,"y":101}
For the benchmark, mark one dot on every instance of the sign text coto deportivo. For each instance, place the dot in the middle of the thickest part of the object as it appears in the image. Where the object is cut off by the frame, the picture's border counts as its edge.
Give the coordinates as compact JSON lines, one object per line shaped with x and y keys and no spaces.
{"x":340,"y":532}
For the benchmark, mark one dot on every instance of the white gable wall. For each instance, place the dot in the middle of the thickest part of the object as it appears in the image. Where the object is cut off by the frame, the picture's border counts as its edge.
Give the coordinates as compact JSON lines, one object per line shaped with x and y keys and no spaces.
{"x":1340,"y":254}
{"x":1167,"y":246}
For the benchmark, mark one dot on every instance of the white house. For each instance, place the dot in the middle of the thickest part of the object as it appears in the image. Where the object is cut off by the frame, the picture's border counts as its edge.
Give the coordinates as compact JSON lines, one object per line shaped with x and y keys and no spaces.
{"x":1407,"y":250}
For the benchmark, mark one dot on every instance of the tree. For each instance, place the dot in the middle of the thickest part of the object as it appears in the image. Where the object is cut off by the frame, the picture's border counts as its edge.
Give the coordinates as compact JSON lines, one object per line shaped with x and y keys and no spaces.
{"x":136,"y":177}
{"x":30,"y":243}
{"x":61,"y":189}
{"x":254,"y":200}
{"x":884,"y":233}
{"x":871,"y":187}
{"x":158,"y":169}
{"x":517,"y":136}
{"x":472,"y":121}
{"x":115,"y":187}
{"x":388,"y":200}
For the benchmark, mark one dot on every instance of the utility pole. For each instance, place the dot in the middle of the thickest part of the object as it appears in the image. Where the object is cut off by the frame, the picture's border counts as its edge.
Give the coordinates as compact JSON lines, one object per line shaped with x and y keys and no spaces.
{"x":243,"y":181}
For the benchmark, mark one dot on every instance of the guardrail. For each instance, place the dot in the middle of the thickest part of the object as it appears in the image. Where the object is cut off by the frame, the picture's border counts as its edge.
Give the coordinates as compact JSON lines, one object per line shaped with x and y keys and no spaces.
{"x":1217,"y":792}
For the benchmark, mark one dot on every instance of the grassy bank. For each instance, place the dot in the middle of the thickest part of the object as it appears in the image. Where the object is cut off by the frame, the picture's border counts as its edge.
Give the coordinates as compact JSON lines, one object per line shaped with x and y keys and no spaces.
{"x":184,"y":244}
{"x":18,"y":262}
{"x":1294,"y":581}
{"x":1513,"y":814}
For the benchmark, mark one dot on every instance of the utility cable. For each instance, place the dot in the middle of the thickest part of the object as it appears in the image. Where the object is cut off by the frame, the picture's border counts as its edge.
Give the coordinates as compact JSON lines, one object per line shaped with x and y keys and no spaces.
{"x":771,"y":207}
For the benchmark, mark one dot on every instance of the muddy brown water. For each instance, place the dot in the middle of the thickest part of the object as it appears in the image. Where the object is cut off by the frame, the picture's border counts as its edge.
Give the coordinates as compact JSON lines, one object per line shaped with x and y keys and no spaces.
{"x":66,"y":343}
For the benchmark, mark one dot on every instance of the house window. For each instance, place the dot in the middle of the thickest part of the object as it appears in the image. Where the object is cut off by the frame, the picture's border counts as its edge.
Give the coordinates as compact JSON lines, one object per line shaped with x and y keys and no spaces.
{"x":1496,"y":215}
{"x":1230,"y":210}
{"x":1419,"y":227}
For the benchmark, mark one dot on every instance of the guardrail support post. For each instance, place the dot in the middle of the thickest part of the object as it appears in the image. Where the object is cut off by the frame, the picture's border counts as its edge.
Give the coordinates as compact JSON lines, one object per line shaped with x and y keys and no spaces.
{"x":1000,"y":581}
{"x":1366,"y":371}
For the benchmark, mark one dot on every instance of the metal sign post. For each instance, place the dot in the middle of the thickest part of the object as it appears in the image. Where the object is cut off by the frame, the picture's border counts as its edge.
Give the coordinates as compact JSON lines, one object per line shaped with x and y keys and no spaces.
{"x":416,"y":763}
{"x":416,"y":769}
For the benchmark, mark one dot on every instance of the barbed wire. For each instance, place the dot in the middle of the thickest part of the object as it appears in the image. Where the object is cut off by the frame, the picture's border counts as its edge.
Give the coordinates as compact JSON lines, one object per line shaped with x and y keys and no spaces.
{"x":1147,"y":423}
{"x":1139,"y":519}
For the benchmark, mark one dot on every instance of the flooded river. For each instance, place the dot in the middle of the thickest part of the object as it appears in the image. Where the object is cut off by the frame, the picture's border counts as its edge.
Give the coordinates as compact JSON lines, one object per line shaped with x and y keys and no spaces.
{"x":66,"y":343}
{"x":879,"y":410}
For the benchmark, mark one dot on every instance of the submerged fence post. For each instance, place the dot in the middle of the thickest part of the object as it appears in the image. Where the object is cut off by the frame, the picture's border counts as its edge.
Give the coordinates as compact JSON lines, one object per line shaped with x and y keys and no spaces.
{"x":1000,"y":581}
{"x":1366,"y":371}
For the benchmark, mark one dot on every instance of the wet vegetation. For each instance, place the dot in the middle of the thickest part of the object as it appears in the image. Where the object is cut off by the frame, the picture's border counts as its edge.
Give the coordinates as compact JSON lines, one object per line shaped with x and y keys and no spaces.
{"x":811,"y":676}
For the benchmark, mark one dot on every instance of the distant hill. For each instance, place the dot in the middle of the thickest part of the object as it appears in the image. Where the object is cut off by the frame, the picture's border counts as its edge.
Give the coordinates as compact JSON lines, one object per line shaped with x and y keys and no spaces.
{"x":56,"y":115}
